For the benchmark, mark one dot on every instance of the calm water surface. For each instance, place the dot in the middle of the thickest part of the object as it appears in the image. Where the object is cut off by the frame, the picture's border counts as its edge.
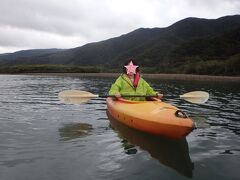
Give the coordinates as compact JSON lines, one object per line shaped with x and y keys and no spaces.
{"x":43,"y":138}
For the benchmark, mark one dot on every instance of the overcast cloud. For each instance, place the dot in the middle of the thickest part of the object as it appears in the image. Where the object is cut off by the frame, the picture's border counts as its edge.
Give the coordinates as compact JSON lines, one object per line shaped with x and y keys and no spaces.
{"x":28,"y":24}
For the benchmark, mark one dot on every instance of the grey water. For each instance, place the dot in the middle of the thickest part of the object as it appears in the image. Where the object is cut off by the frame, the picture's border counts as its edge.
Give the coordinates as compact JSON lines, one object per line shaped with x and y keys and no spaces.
{"x":44,"y":138}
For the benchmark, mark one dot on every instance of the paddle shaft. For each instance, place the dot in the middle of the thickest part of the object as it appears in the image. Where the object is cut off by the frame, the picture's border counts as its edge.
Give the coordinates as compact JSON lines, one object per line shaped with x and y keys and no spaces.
{"x":129,"y":96}
{"x":146,"y":96}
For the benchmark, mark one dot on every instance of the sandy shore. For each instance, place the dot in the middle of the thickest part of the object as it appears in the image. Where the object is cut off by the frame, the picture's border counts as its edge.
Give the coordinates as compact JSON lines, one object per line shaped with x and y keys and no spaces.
{"x":153,"y":76}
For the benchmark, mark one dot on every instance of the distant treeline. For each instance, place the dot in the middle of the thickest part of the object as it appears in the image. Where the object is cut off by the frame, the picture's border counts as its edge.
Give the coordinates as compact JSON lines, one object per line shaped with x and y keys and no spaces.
{"x":229,"y":66}
{"x":211,"y":67}
{"x":46,"y":68}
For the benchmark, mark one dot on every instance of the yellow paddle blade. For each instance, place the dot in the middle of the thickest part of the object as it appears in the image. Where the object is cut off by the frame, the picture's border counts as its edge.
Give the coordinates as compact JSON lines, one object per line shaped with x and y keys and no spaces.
{"x":197,"y":97}
{"x":75,"y":96}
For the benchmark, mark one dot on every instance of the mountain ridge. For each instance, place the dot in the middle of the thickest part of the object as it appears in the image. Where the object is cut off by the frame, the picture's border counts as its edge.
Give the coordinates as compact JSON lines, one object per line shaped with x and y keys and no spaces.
{"x":169,"y":49}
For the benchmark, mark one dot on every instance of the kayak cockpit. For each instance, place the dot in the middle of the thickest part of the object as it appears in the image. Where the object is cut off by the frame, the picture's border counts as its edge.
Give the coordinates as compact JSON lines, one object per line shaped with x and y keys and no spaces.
{"x":137,"y":102}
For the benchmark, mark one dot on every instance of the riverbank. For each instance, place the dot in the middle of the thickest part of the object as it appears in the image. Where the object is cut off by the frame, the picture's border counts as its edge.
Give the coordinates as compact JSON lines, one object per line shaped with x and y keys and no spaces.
{"x":152,"y":76}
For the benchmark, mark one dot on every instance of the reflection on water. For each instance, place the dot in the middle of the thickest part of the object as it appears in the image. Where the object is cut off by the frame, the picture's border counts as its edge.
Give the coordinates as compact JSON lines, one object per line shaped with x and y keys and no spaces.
{"x":75,"y":130}
{"x":172,"y":153}
{"x":200,"y":121}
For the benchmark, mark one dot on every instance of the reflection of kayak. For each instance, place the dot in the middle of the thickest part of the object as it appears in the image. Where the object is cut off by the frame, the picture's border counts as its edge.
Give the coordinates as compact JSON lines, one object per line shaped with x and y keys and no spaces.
{"x":154,"y":117}
{"x":171,"y":153}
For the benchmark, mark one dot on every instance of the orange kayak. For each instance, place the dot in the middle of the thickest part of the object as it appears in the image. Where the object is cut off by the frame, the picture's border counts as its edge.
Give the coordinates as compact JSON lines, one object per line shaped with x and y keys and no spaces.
{"x":154,"y":117}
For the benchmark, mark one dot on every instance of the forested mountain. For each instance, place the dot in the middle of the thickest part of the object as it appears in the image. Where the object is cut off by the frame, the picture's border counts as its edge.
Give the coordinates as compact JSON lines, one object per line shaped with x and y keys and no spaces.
{"x":28,"y":53}
{"x":192,"y":45}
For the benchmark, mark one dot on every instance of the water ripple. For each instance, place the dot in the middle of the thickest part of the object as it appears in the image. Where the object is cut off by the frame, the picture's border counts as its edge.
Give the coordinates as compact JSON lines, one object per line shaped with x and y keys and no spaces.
{"x":37,"y":131}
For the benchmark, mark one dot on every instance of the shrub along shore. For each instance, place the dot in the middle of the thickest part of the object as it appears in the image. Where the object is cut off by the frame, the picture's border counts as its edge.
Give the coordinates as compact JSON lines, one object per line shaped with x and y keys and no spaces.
{"x":66,"y":70}
{"x":189,"y":77}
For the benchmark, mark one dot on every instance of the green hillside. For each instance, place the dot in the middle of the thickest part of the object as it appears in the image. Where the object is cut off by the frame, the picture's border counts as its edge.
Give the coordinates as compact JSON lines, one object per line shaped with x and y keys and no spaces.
{"x":192,"y":45}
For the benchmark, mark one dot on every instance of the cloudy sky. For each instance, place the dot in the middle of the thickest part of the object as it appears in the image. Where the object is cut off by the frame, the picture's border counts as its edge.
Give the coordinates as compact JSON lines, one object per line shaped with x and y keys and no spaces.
{"x":31,"y":24}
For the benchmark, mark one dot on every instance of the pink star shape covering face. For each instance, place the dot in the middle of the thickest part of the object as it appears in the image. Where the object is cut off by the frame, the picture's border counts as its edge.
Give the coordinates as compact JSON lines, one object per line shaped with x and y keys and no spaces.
{"x":131,"y":68}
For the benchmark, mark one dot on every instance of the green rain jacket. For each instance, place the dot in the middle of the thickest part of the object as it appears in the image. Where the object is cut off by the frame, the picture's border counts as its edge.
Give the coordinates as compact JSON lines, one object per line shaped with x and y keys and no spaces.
{"x":124,"y":86}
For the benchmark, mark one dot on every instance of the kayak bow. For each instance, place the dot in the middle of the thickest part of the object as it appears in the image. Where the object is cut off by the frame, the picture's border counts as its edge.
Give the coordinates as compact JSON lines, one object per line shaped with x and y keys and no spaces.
{"x":154,"y":117}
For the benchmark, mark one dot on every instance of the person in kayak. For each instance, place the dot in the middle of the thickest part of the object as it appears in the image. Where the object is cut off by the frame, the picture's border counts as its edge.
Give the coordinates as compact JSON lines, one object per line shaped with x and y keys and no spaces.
{"x":131,"y":83}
